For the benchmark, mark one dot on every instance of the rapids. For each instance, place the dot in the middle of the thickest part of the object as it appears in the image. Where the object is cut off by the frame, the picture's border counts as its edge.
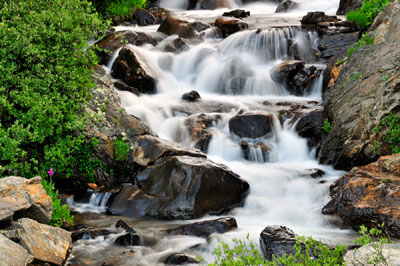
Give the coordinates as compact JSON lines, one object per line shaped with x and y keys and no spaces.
{"x":232,"y":76}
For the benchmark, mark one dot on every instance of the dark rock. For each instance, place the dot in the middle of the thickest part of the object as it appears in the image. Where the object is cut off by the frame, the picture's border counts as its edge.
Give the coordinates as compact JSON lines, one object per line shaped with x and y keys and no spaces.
{"x":237,"y":13}
{"x":337,"y":44}
{"x":205,"y":228}
{"x":82,"y":231}
{"x":286,"y":70}
{"x":120,"y":85}
{"x":249,"y":150}
{"x":174,"y":25}
{"x":176,"y":46}
{"x":369,"y":193}
{"x":313,"y":18}
{"x":310,"y":126}
{"x":113,"y":41}
{"x":208,"y":4}
{"x":134,"y":71}
{"x":251,"y":125}
{"x":159,"y":13}
{"x":143,"y":17}
{"x":314,"y":173}
{"x":180,"y":258}
{"x":199,"y":26}
{"x":181,"y":187}
{"x":198,"y":127}
{"x":131,"y":238}
{"x":191,"y":96}
{"x":229,"y":26}
{"x":348,"y":5}
{"x":285,"y":6}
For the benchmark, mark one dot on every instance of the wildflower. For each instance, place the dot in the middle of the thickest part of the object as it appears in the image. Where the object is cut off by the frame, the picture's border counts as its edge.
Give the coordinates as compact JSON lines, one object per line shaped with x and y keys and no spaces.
{"x":51,"y":172}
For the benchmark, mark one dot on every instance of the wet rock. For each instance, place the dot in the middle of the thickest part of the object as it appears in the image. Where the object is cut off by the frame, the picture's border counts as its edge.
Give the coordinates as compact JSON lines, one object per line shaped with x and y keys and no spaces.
{"x":205,"y":228}
{"x":285,"y":6}
{"x":198,"y":127}
{"x":230,"y":26}
{"x":143,"y":17}
{"x":251,"y":151}
{"x":115,"y":40}
{"x":181,"y":187}
{"x":251,"y":125}
{"x":348,"y":5}
{"x":286,"y":70}
{"x":337,"y":44}
{"x":13,"y":254}
{"x":390,"y":254}
{"x":369,"y":193}
{"x":208,"y":4}
{"x":159,"y":13}
{"x":313,"y":18}
{"x":43,"y":242}
{"x":131,"y":238}
{"x":314,"y":173}
{"x":120,"y":85}
{"x":177,"y":45}
{"x":310,"y":126}
{"x":199,"y":26}
{"x":149,"y":149}
{"x":191,"y":96}
{"x":175,"y":25}
{"x":180,"y":258}
{"x":21,"y":197}
{"x":134,"y":71}
{"x":82,"y":231}
{"x":237,"y":13}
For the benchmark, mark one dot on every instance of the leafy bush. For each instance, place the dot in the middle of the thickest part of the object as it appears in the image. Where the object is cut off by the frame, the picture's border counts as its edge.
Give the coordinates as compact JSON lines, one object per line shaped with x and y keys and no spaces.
{"x":389,"y":127}
{"x":327,"y":126}
{"x":121,"y":149}
{"x":45,"y":69}
{"x":366,"y":14}
{"x":112,"y":8}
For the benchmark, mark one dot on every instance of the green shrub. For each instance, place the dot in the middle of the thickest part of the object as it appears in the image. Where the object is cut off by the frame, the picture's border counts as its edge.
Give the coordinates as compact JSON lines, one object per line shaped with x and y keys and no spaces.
{"x":327,"y":126}
{"x":112,"y":8}
{"x":121,"y":149}
{"x":389,"y":127}
{"x":45,"y":70}
{"x":366,"y":14}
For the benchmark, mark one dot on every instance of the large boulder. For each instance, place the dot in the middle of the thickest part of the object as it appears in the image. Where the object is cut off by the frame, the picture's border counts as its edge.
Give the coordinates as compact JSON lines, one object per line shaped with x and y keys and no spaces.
{"x":13,"y":254}
{"x":43,"y":242}
{"x":228,"y":25}
{"x":386,"y":27}
{"x":198,"y":126}
{"x":252,"y":125}
{"x":142,"y":17}
{"x":179,"y":26}
{"x":310,"y":126}
{"x":385,"y":254}
{"x":180,"y":258}
{"x":205,"y":228}
{"x":348,"y":5}
{"x":285,"y":6}
{"x":181,"y":187}
{"x":131,"y":238}
{"x":369,"y":193}
{"x":313,"y":18}
{"x":134,"y":71}
{"x":21,"y":197}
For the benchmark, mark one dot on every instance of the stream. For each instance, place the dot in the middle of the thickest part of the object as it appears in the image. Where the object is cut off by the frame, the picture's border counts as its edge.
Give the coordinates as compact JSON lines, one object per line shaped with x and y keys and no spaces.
{"x":232,"y":76}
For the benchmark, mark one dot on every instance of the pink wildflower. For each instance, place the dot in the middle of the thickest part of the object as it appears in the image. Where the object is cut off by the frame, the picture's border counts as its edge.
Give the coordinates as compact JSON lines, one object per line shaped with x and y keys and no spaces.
{"x":51,"y":172}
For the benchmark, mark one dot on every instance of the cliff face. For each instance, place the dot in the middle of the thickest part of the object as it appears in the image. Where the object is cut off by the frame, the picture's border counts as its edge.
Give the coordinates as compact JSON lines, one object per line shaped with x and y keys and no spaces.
{"x":366,"y":91}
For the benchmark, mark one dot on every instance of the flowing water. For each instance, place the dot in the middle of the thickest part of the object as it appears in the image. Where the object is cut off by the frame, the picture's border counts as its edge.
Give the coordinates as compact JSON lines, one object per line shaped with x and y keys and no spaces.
{"x":232,"y":76}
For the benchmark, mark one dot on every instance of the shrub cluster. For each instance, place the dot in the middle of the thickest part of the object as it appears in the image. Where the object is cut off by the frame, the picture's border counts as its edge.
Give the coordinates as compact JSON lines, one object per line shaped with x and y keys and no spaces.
{"x":112,"y":8}
{"x":366,"y":14}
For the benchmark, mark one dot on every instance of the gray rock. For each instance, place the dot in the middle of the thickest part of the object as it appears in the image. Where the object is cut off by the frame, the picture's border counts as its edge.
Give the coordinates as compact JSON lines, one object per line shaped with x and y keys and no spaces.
{"x":361,"y":256}
{"x":347,"y":5}
{"x":251,"y":125}
{"x":277,"y":240}
{"x":205,"y":228}
{"x":13,"y":254}
{"x":285,"y":6}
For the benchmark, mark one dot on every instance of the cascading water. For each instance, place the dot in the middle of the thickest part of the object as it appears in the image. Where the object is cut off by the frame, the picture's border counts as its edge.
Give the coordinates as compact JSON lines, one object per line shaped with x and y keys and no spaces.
{"x":232,"y":77}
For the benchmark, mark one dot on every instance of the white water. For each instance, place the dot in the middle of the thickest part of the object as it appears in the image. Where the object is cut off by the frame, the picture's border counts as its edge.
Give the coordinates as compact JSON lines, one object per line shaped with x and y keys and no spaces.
{"x":232,"y":75}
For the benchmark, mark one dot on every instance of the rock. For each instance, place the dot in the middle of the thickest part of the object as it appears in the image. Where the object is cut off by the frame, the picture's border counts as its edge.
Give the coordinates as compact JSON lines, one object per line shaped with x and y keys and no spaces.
{"x":208,"y":4}
{"x":177,"y":45}
{"x":336,"y":45}
{"x":149,"y":149}
{"x":191,"y":96}
{"x":159,"y":13}
{"x":43,"y":242}
{"x":229,"y":26}
{"x":237,"y":13}
{"x":368,"y":193}
{"x":120,"y":85}
{"x":347,"y":5}
{"x":81,"y":231}
{"x":386,"y":25}
{"x":21,"y":197}
{"x":390,"y":254}
{"x":115,"y":40}
{"x":313,"y":18}
{"x":276,"y":241}
{"x":131,"y":238}
{"x":181,"y":187}
{"x":252,"y":151}
{"x":143,"y":17}
{"x":198,"y":127}
{"x":205,"y":228}
{"x":134,"y":71}
{"x":310,"y":126}
{"x":13,"y":254}
{"x":175,"y":25}
{"x":286,"y":70}
{"x":199,"y":26}
{"x":180,"y":258}
{"x":251,"y":125}
{"x":314,"y":173}
{"x":285,"y":6}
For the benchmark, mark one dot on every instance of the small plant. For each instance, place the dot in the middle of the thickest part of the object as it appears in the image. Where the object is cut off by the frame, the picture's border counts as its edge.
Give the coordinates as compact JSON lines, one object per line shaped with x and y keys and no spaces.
{"x":121,"y":149}
{"x":112,"y":8}
{"x":389,"y":127}
{"x":365,"y":16}
{"x":327,"y":126}
{"x":364,"y":40}
{"x":87,"y":165}
{"x":355,"y":76}
{"x":385,"y":78}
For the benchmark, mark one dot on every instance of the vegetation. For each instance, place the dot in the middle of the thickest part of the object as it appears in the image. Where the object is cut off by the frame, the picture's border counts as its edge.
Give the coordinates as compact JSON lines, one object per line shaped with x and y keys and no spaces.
{"x":327,"y":126}
{"x":112,"y":8}
{"x":364,"y":40}
{"x":366,"y":14}
{"x":121,"y":149}
{"x":389,"y":128}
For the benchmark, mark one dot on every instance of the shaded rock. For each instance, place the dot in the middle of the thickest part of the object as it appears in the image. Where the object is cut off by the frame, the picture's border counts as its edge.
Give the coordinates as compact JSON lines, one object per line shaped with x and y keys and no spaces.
{"x":181,"y":187}
{"x":43,"y":242}
{"x":199,"y":26}
{"x":251,"y":125}
{"x":205,"y":228}
{"x":310,"y":126}
{"x":229,"y":26}
{"x":143,"y":17}
{"x":149,"y":149}
{"x":390,"y":254}
{"x":180,"y":258}
{"x":13,"y":254}
{"x":131,"y":238}
{"x":159,"y":13}
{"x":255,"y":152}
{"x":285,"y":6}
{"x":21,"y":197}
{"x":175,"y":25}
{"x":386,"y":26}
{"x":134,"y":71}
{"x":177,"y":45}
{"x":347,"y":5}
{"x":115,"y":40}
{"x":314,"y":173}
{"x":286,"y":70}
{"x":336,"y":45}
{"x":237,"y":13}
{"x":191,"y":96}
{"x":120,"y":85}
{"x":198,"y":127}
{"x":81,"y":231}
{"x":207,"y":4}
{"x":368,"y":193}
{"x":313,"y":18}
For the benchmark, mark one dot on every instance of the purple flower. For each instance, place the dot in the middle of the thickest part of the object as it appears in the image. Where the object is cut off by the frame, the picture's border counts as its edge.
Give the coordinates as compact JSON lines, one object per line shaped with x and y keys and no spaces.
{"x":51,"y":172}
{"x":15,"y":172}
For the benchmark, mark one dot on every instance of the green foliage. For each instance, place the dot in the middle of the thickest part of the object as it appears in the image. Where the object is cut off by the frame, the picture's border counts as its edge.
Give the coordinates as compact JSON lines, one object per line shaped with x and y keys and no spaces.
{"x":366,"y":14}
{"x":61,"y":213}
{"x":45,"y":70}
{"x":112,"y":8}
{"x":364,"y":40}
{"x":87,"y":165}
{"x":121,"y":149}
{"x":327,"y":126}
{"x":389,"y":127}
{"x":356,"y":76}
